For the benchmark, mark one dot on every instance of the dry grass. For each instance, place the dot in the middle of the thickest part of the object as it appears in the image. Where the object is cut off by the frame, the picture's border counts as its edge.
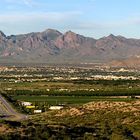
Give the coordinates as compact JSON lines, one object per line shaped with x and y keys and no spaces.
{"x":70,"y":112}
{"x":133,"y":106}
{"x":4,"y":129}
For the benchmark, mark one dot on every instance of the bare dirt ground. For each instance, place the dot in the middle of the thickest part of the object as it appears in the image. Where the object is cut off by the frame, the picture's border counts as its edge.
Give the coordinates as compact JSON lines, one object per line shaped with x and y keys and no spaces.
{"x":133,"y":106}
{"x":114,"y":106}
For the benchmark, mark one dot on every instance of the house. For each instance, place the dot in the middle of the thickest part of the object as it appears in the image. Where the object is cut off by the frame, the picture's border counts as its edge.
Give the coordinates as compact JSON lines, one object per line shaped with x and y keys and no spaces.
{"x":26,"y":103}
{"x":55,"y":107}
{"x":37,"y":111}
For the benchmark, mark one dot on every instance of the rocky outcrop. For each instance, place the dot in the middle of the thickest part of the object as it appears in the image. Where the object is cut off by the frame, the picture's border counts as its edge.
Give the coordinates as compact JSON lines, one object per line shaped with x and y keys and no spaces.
{"x":52,"y":46}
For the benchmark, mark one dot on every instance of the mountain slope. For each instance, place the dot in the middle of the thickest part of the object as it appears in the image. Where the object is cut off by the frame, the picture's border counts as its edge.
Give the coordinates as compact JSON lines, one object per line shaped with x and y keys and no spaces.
{"x":51,"y":46}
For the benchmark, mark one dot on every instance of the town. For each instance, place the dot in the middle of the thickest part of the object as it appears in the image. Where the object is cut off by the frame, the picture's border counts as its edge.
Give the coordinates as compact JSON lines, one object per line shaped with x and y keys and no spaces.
{"x":36,"y":89}
{"x":52,"y":73}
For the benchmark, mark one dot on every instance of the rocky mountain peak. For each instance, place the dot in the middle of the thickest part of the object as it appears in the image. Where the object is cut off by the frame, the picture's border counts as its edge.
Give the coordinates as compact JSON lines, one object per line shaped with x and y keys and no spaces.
{"x":111,"y":36}
{"x":73,"y":37}
{"x":52,"y":30}
{"x":52,"y":46}
{"x":70,"y":33}
{"x":2,"y":34}
{"x":50,"y":34}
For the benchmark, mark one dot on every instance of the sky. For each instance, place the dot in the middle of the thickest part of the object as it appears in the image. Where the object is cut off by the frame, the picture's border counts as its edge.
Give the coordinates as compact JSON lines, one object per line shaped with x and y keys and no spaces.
{"x":93,"y":18}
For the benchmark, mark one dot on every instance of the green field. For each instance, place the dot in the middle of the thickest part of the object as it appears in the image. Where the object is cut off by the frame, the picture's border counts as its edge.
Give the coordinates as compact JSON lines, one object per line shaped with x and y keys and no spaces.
{"x":68,"y":99}
{"x":102,"y":85}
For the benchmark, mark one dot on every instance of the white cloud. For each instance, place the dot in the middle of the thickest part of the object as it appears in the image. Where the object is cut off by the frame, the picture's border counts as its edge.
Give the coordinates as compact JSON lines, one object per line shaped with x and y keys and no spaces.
{"x":28,"y":3}
{"x":13,"y":23}
{"x":50,"y":16}
{"x":23,"y":22}
{"x":101,"y":25}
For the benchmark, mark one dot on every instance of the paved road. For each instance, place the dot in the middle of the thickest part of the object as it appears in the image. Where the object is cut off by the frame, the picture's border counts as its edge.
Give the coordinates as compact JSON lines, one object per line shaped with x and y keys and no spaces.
{"x":8,"y":112}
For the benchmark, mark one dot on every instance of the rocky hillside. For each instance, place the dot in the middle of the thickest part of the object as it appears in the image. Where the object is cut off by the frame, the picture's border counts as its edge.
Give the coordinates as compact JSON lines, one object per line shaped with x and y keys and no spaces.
{"x":52,"y":46}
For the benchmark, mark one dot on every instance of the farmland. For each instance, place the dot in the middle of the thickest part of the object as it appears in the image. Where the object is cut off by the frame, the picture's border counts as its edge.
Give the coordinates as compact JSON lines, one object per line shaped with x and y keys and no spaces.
{"x":95,"y":102}
{"x":46,"y":86}
{"x":52,"y":100}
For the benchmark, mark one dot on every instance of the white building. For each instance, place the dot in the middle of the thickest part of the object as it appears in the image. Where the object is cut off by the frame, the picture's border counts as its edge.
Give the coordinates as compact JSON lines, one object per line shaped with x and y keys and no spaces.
{"x":37,"y":111}
{"x":55,"y":107}
{"x":26,"y":103}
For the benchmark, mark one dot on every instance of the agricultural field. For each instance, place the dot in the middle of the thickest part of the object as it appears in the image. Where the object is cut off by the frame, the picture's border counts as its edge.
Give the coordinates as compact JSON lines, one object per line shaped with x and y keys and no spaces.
{"x":47,"y":86}
{"x":71,"y":85}
{"x":106,"y":107}
{"x":68,"y":100}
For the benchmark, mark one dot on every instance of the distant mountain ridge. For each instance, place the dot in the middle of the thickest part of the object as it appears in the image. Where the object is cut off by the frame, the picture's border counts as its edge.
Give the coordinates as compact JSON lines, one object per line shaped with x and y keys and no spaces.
{"x":52,"y":46}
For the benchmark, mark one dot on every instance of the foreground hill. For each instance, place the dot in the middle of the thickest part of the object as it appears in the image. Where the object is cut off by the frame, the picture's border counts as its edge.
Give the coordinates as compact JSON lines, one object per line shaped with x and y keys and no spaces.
{"x":52,"y":46}
{"x":92,"y":121}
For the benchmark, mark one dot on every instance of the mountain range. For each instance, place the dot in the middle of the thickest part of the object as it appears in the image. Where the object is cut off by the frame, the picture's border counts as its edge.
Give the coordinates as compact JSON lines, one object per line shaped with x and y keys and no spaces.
{"x":52,"y":46}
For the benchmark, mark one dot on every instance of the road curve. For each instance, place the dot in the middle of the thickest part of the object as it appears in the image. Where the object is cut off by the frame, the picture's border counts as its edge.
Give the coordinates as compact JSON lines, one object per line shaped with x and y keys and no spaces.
{"x":8,"y":112}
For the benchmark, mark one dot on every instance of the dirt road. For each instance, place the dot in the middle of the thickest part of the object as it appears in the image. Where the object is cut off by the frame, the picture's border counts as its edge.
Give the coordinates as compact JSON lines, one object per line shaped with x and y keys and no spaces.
{"x":8,"y":112}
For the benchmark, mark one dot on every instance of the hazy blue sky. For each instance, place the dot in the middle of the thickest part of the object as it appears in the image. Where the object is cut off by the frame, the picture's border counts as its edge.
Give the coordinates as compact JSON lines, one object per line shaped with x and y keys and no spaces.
{"x":95,"y":18}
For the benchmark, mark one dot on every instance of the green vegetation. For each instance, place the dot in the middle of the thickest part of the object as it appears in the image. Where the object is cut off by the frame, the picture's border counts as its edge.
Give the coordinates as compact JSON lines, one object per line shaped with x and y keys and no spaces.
{"x":98,"y":121}
{"x":54,"y":100}
{"x":74,"y":85}
{"x":92,"y":109}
